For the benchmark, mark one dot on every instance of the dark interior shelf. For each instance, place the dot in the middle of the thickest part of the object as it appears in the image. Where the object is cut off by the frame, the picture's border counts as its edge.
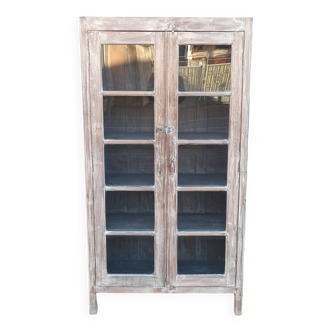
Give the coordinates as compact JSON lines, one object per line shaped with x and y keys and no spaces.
{"x":201,"y":267}
{"x":130,"y":267}
{"x":130,"y":221}
{"x":202,"y":136}
{"x":130,"y":254}
{"x":202,"y":222}
{"x":116,"y":179}
{"x":202,"y":180}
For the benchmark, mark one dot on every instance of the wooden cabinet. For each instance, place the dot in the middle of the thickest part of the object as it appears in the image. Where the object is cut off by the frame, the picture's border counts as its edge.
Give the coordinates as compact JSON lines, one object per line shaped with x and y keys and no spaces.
{"x":165,"y":105}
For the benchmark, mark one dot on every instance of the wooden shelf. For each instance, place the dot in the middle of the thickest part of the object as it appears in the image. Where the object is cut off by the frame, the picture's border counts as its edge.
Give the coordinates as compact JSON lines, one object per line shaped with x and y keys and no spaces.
{"x":201,"y":222}
{"x":130,"y":222}
{"x":203,"y":93}
{"x":128,"y":136}
{"x":131,"y":180}
{"x":130,"y":266}
{"x":195,"y":138}
{"x":202,"y":181}
{"x":127,"y":93}
{"x":201,"y":267}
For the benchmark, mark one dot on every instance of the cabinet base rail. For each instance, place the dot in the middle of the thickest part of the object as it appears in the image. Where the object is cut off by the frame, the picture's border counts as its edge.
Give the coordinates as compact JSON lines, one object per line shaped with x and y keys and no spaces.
{"x":166,"y":290}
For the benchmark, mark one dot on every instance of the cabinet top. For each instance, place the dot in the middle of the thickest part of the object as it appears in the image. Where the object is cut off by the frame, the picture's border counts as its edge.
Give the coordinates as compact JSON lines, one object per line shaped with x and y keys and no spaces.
{"x":154,"y":16}
{"x":166,"y":23}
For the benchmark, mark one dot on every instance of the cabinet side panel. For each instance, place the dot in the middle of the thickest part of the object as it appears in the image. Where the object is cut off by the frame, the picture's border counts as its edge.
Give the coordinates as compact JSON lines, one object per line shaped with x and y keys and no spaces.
{"x":88,"y":163}
{"x":238,"y":301}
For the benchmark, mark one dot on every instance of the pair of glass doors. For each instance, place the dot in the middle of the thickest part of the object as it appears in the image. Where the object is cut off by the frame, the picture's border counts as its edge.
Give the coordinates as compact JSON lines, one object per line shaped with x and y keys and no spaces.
{"x":165,"y":118}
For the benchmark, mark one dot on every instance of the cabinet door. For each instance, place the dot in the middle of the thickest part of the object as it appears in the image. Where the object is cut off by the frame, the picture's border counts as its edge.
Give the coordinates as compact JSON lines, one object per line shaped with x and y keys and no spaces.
{"x":205,"y":79}
{"x":127,"y":71}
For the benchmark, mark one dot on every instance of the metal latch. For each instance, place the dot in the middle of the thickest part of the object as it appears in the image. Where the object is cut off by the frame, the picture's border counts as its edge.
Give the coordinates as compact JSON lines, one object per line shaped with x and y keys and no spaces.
{"x":165,"y":130}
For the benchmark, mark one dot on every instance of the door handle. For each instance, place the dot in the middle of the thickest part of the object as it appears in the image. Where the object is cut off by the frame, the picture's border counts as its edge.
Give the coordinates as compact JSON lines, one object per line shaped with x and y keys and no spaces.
{"x":165,"y":130}
{"x":172,"y":174}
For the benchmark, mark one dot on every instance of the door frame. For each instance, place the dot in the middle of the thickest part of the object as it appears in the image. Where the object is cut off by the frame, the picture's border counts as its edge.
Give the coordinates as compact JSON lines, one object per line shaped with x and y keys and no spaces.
{"x":96,"y":40}
{"x":235,"y":40}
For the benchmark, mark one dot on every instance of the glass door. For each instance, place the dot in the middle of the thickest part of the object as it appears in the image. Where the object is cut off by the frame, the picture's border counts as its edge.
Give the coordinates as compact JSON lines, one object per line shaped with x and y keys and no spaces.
{"x":128,"y":103}
{"x":204,"y":108}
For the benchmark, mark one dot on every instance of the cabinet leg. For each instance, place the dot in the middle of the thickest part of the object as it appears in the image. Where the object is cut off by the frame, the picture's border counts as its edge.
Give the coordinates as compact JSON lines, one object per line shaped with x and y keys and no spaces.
{"x":93,"y":302}
{"x":238,"y":302}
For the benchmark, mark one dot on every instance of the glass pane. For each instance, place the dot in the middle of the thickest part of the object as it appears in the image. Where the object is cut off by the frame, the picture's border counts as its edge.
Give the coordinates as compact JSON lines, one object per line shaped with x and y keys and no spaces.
{"x":201,"y":255}
{"x":202,"y":165}
{"x":203,"y":117}
{"x":129,"y":165}
{"x":128,"y":118}
{"x":128,"y":67}
{"x":204,"y":67}
{"x":129,"y":211}
{"x":201,"y":211}
{"x":130,"y":254}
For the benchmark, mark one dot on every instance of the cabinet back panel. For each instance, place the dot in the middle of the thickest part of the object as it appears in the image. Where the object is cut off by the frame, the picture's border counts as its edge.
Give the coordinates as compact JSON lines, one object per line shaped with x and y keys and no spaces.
{"x":129,"y":159}
{"x":203,"y":159}
{"x":130,"y":115}
{"x":204,"y":115}
{"x":129,"y":202}
{"x":201,"y":254}
{"x":130,"y":254}
{"x":201,"y":202}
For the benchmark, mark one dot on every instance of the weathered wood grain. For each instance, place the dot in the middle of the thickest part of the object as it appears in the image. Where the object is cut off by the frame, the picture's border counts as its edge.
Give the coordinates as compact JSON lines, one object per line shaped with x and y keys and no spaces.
{"x":201,"y":233}
{"x":204,"y":93}
{"x":129,"y":141}
{"x":165,"y":24}
{"x":243,"y":165}
{"x":128,"y":93}
{"x":233,"y":156}
{"x":123,"y":38}
{"x":206,"y":38}
{"x":172,"y":153}
{"x":160,"y":154}
{"x":130,"y":281}
{"x":131,"y":233}
{"x":205,"y":188}
{"x":202,"y":280}
{"x":203,"y":142}
{"x":98,"y":154}
{"x":88,"y":163}
{"x":129,"y":188}
{"x":165,"y":290}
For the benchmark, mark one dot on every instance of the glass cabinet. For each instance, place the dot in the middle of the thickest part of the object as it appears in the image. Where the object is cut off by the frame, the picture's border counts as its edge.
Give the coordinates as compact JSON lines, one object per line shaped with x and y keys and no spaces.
{"x":165,"y":120}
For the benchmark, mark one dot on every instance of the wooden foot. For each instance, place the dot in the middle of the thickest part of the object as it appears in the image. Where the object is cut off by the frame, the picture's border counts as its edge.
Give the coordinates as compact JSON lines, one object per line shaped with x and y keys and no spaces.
{"x":238,"y":302}
{"x":93,"y":303}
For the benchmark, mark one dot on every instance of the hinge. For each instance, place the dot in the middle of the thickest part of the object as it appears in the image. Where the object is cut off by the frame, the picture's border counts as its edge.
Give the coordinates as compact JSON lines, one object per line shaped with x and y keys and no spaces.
{"x":165,"y":130}
{"x":173,"y":28}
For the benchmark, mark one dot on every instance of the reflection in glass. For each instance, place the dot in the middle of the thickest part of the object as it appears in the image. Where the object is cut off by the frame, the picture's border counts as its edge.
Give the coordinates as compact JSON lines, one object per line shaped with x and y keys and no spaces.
{"x":128,"y":67}
{"x":129,"y":165}
{"x":130,"y":254}
{"x":204,"y":118}
{"x":204,"y":67}
{"x":202,"y":165}
{"x":202,"y":211}
{"x":201,"y":255}
{"x":129,"y":210}
{"x":128,"y":118}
